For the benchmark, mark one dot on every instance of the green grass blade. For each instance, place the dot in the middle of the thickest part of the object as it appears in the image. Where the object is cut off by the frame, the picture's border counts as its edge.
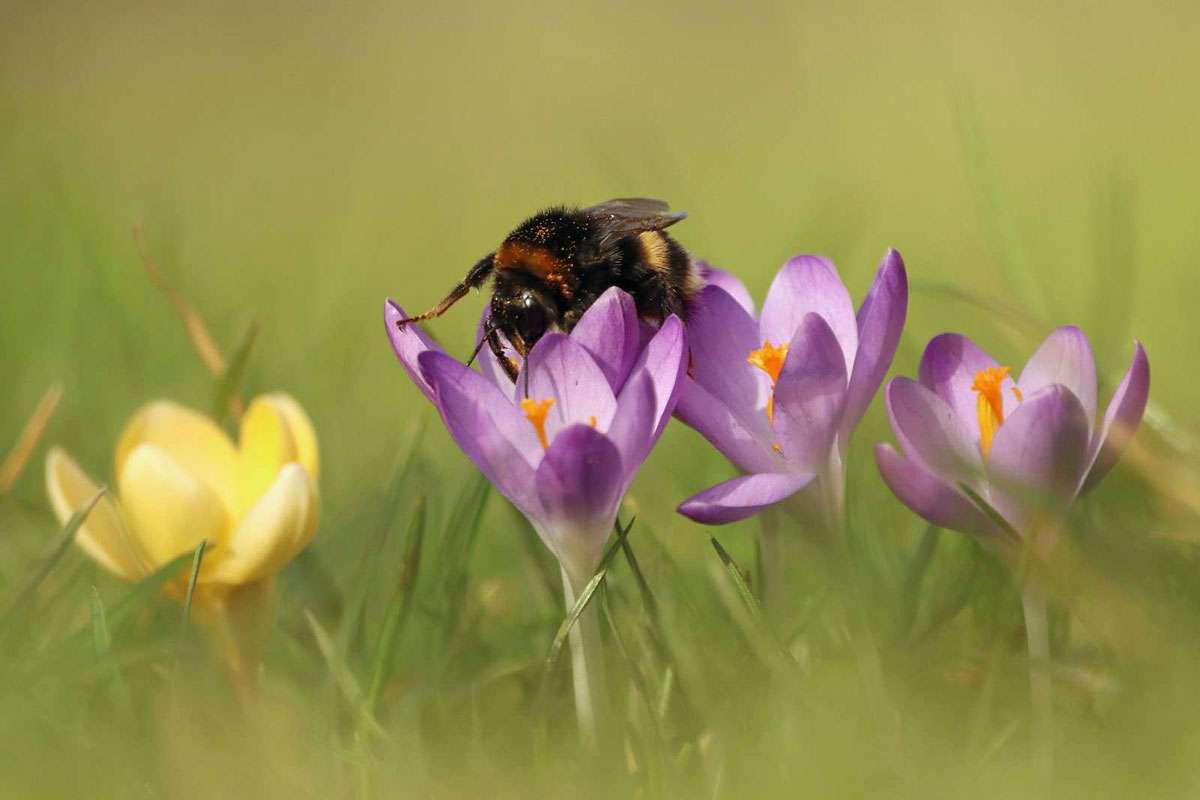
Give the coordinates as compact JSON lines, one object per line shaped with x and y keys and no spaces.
{"x":739,"y":581}
{"x":581,"y":602}
{"x":51,"y":561}
{"x":197,"y":558}
{"x":230,"y":382}
{"x":910,"y":593}
{"x":399,"y":609}
{"x":343,"y":677}
{"x":146,"y":589}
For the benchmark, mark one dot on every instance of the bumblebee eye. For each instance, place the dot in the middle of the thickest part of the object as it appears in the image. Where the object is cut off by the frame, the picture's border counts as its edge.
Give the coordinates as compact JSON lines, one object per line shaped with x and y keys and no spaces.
{"x":530,"y":319}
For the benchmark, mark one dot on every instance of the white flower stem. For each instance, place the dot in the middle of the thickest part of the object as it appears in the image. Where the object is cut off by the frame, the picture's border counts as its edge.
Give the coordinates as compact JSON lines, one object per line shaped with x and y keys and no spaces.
{"x":1041,"y":692}
{"x":587,"y":665}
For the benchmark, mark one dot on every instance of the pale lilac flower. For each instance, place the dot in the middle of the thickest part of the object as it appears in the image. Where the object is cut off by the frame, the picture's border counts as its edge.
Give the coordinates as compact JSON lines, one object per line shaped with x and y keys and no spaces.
{"x":1027,"y":448}
{"x":780,"y":395}
{"x":566,"y":452}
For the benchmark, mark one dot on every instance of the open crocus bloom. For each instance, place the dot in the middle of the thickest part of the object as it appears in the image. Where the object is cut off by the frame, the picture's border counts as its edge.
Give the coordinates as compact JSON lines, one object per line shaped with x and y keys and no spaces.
{"x":180,"y":480}
{"x":779,"y":396}
{"x":564,"y":442}
{"x":1027,"y":447}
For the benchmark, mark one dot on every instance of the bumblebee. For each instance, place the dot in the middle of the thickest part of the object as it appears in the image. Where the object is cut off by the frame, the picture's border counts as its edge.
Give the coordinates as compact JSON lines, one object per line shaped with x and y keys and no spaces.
{"x":559,"y":261}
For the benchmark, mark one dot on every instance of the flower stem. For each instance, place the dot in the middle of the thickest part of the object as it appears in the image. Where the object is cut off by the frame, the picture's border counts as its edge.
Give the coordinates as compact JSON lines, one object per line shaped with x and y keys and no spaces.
{"x":1037,"y":635}
{"x":587,"y":665}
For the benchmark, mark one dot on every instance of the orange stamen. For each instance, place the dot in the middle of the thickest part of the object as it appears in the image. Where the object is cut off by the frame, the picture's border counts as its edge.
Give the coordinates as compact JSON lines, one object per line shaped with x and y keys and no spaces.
{"x":536,"y":411}
{"x":769,"y":359}
{"x":989,"y":406}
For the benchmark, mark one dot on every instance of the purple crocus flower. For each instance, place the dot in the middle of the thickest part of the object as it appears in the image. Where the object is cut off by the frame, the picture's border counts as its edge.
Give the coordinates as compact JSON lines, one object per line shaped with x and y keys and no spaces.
{"x":565,"y":451}
{"x":779,"y":396}
{"x":1027,"y":447}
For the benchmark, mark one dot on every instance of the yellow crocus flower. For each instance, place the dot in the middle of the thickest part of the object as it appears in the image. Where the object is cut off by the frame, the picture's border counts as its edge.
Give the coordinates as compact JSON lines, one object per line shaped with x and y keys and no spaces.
{"x":181,"y":480}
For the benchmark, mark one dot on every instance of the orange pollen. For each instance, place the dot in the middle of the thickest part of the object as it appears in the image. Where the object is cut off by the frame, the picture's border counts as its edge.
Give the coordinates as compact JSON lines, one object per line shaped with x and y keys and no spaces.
{"x":536,"y":411}
{"x":769,"y":359}
{"x":592,"y":420}
{"x":989,"y":406}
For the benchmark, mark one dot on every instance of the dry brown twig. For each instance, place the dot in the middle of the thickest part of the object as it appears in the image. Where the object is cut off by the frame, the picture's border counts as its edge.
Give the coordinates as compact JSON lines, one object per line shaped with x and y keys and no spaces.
{"x":14,"y":464}
{"x":202,"y":341}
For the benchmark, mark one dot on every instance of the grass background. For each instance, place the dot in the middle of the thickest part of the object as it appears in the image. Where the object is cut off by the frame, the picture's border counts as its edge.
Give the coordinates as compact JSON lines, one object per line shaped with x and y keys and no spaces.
{"x":294,"y":165}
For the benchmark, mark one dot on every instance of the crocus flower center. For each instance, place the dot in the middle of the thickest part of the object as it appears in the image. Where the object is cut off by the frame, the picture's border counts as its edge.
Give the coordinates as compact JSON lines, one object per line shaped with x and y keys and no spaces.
{"x":989,"y":405}
{"x":769,"y":359}
{"x":535,"y":412}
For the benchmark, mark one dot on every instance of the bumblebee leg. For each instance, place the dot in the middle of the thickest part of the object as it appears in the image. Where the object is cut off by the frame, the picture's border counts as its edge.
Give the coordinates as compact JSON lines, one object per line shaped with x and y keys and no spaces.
{"x":475,"y":278}
{"x":497,"y":347}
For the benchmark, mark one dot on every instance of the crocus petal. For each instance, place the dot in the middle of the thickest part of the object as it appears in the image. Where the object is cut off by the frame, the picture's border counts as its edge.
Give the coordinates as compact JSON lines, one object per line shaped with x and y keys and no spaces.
{"x":1038,"y":457}
{"x":562,"y":370}
{"x":664,"y":359}
{"x":103,"y":535}
{"x":809,"y":395}
{"x":170,"y":511}
{"x":579,"y":484}
{"x":732,"y":285}
{"x":880,"y":321}
{"x":721,"y":336}
{"x":1121,"y":419}
{"x":609,"y":331}
{"x":486,"y":425}
{"x":304,"y":435}
{"x":488,"y":365}
{"x":632,"y":429}
{"x":948,"y":368}
{"x":274,"y":431}
{"x":409,"y":342}
{"x":808,"y":284}
{"x":742,"y":497}
{"x":193,"y":441}
{"x":930,"y":433}
{"x":745,"y":442}
{"x":1065,"y":358}
{"x":929,"y":496}
{"x":272,"y":533}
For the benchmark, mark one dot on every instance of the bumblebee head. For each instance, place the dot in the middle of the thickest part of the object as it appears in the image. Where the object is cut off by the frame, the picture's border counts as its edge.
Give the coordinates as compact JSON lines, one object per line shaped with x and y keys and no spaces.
{"x":523,"y":314}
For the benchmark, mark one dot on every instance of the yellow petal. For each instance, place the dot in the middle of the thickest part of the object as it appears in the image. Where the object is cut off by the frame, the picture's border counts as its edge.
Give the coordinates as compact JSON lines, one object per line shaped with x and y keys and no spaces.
{"x":304,"y":436}
{"x":169,"y":510}
{"x":193,"y":441}
{"x":273,"y":532}
{"x":103,"y":535}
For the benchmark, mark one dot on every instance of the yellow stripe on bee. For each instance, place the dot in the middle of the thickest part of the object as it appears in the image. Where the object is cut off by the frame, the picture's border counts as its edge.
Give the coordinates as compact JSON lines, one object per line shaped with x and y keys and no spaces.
{"x":654,"y":249}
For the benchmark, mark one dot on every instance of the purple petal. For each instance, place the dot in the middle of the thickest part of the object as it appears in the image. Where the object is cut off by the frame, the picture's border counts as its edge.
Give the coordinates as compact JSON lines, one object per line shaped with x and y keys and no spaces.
{"x":408,"y":343}
{"x":742,"y":497}
{"x":804,"y":285}
{"x":579,"y":485}
{"x":745,"y":442}
{"x":880,"y":322}
{"x":486,"y":425}
{"x":560,"y":369}
{"x":664,"y":359}
{"x":488,"y":365}
{"x":930,"y":433}
{"x":729,"y":282}
{"x":1065,"y":358}
{"x":609,"y":331}
{"x":1038,"y":457}
{"x":948,"y":367}
{"x":632,"y":429}
{"x":930,"y":497}
{"x":1121,"y":419}
{"x":809,"y":396}
{"x":721,"y":336}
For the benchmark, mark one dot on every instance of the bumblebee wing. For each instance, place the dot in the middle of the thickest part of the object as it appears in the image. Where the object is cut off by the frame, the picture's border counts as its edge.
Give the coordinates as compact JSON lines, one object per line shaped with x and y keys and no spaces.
{"x":629,"y":215}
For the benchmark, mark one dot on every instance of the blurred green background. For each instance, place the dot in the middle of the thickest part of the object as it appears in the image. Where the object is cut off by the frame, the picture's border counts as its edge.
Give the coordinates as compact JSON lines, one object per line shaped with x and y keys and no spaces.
{"x":295,"y":164}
